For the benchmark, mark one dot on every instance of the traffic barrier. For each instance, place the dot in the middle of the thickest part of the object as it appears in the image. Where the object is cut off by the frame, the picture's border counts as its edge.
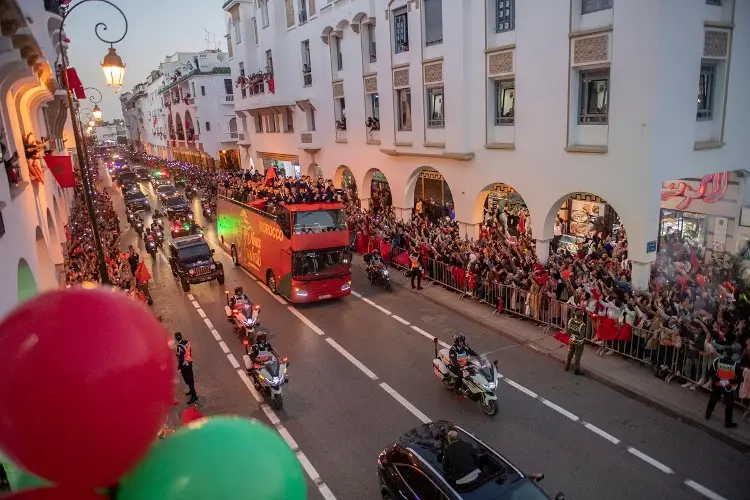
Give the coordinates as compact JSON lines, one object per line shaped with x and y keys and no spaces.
{"x":664,"y":351}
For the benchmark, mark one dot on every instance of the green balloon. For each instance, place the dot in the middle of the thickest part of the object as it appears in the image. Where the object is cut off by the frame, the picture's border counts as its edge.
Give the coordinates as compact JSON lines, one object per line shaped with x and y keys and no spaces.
{"x":215,"y":459}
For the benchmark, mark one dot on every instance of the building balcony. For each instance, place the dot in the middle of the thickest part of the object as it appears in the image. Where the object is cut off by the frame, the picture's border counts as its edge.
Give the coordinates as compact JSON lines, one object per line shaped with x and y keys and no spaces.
{"x":309,"y":141}
{"x":233,"y":136}
{"x":190,"y":101}
{"x":341,"y":135}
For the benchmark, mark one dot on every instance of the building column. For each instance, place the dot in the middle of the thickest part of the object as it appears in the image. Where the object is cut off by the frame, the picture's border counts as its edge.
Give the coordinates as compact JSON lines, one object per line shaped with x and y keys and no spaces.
{"x":469,"y":230}
{"x":640,"y":275}
{"x":365,"y":203}
{"x":402,"y":214}
{"x":542,"y":251}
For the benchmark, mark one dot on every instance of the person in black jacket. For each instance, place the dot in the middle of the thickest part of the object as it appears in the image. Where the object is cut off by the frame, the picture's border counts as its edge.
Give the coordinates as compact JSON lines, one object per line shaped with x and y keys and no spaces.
{"x":460,"y":460}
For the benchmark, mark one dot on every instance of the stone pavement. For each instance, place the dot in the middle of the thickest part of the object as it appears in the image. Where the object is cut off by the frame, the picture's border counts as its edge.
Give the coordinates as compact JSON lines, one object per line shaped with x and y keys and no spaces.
{"x":621,"y":374}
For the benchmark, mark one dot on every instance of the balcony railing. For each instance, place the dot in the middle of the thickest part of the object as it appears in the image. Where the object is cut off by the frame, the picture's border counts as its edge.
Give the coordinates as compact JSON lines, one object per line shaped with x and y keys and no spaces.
{"x":303,"y":16}
{"x":307,"y":78}
{"x":190,"y":101}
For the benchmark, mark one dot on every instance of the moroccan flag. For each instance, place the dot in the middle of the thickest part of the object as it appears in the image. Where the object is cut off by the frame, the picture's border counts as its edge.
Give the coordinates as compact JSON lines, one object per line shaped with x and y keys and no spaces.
{"x":190,"y":414}
{"x":562,"y":337}
{"x":35,"y":171}
{"x":62,"y":168}
{"x":141,"y":273}
{"x":75,"y":83}
{"x":270,"y":176}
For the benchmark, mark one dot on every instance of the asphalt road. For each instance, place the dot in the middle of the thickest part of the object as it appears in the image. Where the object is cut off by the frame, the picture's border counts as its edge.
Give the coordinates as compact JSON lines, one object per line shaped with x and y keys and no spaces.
{"x":361,"y":375}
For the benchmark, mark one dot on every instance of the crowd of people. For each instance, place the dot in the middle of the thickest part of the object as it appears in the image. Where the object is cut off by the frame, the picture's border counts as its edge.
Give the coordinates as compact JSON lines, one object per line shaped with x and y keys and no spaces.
{"x":688,"y":317}
{"x":82,"y":263}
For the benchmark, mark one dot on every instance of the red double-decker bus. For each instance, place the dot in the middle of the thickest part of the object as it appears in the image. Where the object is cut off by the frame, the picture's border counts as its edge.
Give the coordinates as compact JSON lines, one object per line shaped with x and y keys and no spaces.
{"x":301,"y":251}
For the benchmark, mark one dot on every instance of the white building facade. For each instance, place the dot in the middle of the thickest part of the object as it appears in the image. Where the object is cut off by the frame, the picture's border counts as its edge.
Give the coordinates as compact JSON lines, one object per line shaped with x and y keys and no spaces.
{"x":33,"y":210}
{"x":188,"y":109}
{"x":607,"y":109}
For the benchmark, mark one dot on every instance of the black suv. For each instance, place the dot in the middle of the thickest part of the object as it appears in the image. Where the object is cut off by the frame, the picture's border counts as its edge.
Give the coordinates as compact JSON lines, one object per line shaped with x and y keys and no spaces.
{"x":412,"y":468}
{"x":176,"y":206}
{"x":192,"y":261}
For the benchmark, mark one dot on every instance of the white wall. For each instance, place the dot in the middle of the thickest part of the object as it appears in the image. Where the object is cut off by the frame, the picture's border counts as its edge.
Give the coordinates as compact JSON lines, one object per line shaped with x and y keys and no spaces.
{"x":654,"y":56}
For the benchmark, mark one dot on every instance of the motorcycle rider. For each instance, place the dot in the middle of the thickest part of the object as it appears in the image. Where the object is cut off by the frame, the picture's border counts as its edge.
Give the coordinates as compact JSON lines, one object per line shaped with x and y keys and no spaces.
{"x":376,"y":262}
{"x":239,"y":295}
{"x":261,"y":348}
{"x":459,"y":356}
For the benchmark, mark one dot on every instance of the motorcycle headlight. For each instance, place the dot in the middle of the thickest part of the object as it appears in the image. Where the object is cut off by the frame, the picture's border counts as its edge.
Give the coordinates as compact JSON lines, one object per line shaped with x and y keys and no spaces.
{"x":491,"y":386}
{"x":385,"y":272}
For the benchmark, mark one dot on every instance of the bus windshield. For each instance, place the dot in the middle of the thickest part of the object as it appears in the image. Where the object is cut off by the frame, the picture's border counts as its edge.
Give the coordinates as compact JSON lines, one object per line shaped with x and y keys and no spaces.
{"x":321,"y":264}
{"x":319,"y":221}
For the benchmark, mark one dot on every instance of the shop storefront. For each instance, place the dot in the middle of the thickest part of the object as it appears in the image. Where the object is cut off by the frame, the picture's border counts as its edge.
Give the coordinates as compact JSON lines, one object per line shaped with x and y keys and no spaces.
{"x":584,"y":214}
{"x":431,"y":184}
{"x":707,"y":213}
{"x":229,"y":159}
{"x":285,"y":165}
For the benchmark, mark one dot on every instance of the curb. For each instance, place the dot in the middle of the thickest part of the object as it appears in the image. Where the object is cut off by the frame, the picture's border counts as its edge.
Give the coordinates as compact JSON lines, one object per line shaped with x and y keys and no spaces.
{"x":739,"y":444}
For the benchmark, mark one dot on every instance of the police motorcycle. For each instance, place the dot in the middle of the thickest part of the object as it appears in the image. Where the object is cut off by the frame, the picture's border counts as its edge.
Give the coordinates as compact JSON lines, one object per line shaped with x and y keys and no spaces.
{"x":479,"y":380}
{"x":190,"y":192}
{"x":243,"y":316}
{"x":130,"y":214}
{"x":378,"y":275}
{"x":158,"y":232}
{"x":268,"y":373}
{"x":158,"y":217}
{"x":209,"y":212}
{"x":137,"y":223}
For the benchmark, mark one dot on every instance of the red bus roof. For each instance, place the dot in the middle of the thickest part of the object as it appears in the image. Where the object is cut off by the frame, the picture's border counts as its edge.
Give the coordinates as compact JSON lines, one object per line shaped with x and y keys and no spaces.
{"x":260,"y":204}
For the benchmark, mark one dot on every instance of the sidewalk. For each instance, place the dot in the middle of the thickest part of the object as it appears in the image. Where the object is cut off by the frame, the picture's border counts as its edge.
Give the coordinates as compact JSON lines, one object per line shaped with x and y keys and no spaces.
{"x":621,"y":374}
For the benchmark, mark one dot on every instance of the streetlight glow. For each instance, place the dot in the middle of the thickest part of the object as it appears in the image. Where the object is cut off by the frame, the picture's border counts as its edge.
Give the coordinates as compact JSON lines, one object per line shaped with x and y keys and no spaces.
{"x":91,"y":123}
{"x":114,"y":70}
{"x":97,"y":112}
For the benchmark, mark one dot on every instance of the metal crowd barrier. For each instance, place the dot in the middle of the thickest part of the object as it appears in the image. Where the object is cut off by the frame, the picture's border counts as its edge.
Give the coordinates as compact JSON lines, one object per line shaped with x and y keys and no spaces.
{"x":657,"y":350}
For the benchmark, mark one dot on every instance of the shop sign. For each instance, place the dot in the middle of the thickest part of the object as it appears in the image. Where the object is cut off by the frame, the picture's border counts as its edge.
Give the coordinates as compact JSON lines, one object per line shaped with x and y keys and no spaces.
{"x":651,"y":247}
{"x":711,"y":189}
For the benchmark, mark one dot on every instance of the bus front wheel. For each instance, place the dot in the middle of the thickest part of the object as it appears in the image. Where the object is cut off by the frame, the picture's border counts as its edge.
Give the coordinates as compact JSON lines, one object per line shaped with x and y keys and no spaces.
{"x":271,"y":281}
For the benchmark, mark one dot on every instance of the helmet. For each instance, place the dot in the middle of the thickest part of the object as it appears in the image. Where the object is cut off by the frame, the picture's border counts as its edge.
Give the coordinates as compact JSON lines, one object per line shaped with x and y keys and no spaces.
{"x":260,"y":339}
{"x":238,"y":290}
{"x":459,"y":337}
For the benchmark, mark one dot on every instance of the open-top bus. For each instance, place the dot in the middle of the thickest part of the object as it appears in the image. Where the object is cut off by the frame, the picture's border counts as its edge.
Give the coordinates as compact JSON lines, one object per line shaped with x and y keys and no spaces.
{"x":301,"y":251}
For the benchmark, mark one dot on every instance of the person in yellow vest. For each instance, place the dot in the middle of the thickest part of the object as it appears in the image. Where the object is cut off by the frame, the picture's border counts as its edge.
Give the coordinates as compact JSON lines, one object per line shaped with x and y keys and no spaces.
{"x":416,"y":268}
{"x":577,"y":332}
{"x":726,"y":376}
{"x":184,"y":354}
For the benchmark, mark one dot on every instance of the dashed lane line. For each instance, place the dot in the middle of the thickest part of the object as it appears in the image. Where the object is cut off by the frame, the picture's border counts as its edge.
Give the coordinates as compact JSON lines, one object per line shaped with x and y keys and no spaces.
{"x":201,"y":313}
{"x":352,"y":359}
{"x":308,"y":467}
{"x":706,"y":492}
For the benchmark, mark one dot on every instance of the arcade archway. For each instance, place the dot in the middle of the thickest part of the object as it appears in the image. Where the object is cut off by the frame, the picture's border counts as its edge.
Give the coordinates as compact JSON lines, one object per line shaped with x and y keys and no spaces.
{"x":430,"y":193}
{"x":315,"y":171}
{"x":44,"y":262}
{"x":344,"y":179}
{"x":376,"y":188}
{"x":500,"y":203}
{"x":26,"y":284}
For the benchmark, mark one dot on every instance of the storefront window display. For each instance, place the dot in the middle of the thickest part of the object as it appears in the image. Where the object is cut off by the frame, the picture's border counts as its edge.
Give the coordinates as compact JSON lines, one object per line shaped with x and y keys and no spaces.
{"x":688,"y":225}
{"x":286,"y":166}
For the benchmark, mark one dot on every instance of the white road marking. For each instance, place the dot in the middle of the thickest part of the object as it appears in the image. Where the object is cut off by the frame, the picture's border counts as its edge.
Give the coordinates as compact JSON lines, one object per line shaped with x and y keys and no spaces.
{"x":306,"y":321}
{"x":351,"y":358}
{"x":325,"y":491}
{"x":400,"y":320}
{"x":651,"y":461}
{"x":596,"y":430}
{"x":703,"y":490}
{"x":233,"y":360}
{"x":201,"y":313}
{"x":405,"y":403}
{"x":559,"y":409}
{"x":521,"y":388}
{"x":376,"y":306}
{"x":196,"y":304}
{"x":278,"y":299}
{"x":190,"y":297}
{"x":208,"y":323}
{"x":358,"y":295}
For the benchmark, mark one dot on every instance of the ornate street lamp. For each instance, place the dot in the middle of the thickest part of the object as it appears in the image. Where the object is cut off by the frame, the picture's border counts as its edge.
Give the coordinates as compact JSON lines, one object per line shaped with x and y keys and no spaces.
{"x":81,"y":149}
{"x":97,"y":112}
{"x":114,"y":69}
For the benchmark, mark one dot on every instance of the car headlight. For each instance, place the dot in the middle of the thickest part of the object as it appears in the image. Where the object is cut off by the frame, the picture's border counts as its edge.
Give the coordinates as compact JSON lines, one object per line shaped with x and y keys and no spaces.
{"x":191,"y":272}
{"x":346,"y":286}
{"x":300,"y":292}
{"x":213,"y":267}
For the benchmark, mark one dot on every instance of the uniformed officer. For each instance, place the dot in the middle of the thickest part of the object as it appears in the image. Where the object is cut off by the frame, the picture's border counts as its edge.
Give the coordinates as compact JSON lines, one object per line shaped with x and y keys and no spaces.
{"x":576,"y":331}
{"x":726,"y":376}
{"x":184,"y":354}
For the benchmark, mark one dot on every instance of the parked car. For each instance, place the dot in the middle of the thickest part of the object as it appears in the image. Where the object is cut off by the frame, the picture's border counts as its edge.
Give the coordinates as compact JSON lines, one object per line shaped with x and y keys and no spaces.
{"x":412,"y":469}
{"x":192,"y":261}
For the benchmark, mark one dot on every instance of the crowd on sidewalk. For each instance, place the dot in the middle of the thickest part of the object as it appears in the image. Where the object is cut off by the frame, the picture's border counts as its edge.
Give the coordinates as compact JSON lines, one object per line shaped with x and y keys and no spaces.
{"x":689,"y":315}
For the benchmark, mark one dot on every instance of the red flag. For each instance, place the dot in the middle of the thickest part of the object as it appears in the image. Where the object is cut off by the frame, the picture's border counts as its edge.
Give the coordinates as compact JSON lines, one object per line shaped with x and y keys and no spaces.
{"x":75,"y":83}
{"x":62,"y":168}
{"x":141,"y":273}
{"x":270,"y":176}
{"x":562,"y":337}
{"x":190,"y":414}
{"x":271,"y":86}
{"x":693,"y":261}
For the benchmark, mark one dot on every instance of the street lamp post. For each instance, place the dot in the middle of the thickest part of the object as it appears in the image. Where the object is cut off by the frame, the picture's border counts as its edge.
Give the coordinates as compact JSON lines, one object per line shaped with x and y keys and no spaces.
{"x":114,"y":72}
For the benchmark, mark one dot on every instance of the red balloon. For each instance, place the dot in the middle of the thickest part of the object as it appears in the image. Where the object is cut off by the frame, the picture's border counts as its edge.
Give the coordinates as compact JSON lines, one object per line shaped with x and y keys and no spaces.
{"x":55,"y":493}
{"x":566,"y":274}
{"x":86,"y":382}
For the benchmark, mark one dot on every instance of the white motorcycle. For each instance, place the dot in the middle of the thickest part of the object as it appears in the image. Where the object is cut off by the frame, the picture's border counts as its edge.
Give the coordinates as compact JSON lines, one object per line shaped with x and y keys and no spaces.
{"x":243,"y":317}
{"x":479,"y":380}
{"x":269,"y":374}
